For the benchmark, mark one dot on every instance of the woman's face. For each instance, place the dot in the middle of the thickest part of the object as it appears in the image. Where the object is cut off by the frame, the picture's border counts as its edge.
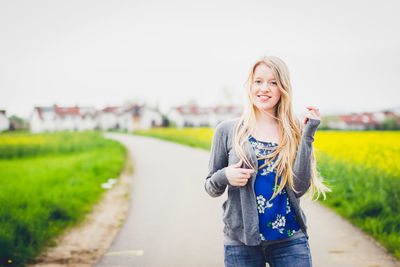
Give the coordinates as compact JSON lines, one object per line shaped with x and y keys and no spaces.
{"x":265,"y":90}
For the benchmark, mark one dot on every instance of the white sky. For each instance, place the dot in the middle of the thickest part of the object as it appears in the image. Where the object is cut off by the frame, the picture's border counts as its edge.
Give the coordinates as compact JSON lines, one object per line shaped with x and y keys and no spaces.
{"x":342,"y":55}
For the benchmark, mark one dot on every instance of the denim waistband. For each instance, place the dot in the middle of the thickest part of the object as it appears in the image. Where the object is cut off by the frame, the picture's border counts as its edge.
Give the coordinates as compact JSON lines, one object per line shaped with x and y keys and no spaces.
{"x":233,"y":241}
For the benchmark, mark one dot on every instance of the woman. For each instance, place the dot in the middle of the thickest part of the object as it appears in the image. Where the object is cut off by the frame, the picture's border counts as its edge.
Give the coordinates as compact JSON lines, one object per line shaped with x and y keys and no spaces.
{"x":266,"y":160}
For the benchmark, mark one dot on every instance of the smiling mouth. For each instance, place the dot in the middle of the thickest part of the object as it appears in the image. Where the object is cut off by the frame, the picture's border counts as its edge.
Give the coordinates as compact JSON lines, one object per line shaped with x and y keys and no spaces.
{"x":263,"y":97}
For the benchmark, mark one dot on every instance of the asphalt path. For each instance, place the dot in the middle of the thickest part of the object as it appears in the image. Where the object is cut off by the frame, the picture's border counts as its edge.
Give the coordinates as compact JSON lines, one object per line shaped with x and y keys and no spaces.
{"x":173,"y":222}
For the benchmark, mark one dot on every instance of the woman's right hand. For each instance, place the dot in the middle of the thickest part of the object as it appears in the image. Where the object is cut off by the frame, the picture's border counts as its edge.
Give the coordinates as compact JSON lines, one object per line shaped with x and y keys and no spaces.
{"x":238,"y":176}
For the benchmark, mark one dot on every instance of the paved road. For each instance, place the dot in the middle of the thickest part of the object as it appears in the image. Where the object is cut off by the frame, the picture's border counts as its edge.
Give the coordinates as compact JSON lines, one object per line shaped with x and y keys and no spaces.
{"x":173,"y":222}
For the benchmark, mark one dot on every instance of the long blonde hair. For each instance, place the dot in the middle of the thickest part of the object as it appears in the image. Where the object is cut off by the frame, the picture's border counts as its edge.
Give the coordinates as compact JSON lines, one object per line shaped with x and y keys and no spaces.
{"x":290,"y":130}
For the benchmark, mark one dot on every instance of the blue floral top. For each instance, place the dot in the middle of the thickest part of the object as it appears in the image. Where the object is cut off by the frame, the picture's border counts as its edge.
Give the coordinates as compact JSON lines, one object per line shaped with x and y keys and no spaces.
{"x":277,"y":219}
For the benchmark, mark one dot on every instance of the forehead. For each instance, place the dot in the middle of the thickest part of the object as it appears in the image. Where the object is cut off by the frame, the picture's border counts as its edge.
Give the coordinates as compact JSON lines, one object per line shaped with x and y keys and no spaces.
{"x":263,"y":71}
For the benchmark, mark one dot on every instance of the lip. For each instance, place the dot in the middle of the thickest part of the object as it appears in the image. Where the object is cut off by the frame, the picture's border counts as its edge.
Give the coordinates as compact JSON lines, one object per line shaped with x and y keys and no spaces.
{"x":259,"y":96}
{"x":263,"y":100}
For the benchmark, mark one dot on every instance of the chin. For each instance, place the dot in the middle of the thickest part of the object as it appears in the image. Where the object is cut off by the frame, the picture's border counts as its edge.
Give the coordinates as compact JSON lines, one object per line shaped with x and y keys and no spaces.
{"x":265,"y":105}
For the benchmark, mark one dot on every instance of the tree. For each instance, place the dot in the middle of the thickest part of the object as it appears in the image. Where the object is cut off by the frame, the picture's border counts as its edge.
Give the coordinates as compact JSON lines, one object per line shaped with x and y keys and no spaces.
{"x":390,"y":123}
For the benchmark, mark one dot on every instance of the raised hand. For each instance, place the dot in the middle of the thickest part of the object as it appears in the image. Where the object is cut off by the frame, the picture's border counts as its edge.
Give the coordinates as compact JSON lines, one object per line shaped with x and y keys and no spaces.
{"x":312,"y":113}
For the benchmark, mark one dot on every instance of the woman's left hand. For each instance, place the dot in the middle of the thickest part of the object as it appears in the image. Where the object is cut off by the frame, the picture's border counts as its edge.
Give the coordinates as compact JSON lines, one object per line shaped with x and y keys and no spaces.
{"x":312,"y":113}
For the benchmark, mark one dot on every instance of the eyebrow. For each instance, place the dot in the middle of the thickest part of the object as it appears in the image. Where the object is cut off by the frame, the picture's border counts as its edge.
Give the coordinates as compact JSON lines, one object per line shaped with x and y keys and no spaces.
{"x":263,"y":78}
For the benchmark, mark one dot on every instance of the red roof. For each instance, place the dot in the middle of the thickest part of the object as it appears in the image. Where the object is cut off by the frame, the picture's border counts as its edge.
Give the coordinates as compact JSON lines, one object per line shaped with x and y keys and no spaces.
{"x":363,"y":118}
{"x":110,"y":109}
{"x":189,"y":109}
{"x":39,"y":111}
{"x":60,"y":111}
{"x":67,"y":111}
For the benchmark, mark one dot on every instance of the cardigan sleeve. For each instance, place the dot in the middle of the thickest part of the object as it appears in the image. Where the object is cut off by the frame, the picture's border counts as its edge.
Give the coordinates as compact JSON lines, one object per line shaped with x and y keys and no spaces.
{"x":302,"y":165}
{"x":216,"y":180}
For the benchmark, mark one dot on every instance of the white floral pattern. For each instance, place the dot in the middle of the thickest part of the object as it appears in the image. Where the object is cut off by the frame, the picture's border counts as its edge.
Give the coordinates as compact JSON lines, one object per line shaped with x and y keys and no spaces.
{"x":262,"y":237}
{"x":279,"y":223}
{"x":287,"y":206}
{"x":262,"y":204}
{"x":269,"y":168}
{"x":260,"y":200}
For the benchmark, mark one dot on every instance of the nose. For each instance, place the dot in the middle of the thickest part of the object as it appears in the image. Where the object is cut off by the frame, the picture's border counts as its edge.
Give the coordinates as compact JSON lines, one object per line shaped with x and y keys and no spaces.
{"x":264,"y":87}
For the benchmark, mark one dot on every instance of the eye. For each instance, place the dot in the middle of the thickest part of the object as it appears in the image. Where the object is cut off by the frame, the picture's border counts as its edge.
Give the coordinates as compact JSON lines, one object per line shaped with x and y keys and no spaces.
{"x":274,"y":83}
{"x":257,"y":81}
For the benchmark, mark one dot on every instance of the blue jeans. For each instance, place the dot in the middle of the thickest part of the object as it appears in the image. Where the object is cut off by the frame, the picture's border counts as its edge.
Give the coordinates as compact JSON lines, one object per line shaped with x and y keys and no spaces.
{"x":291,"y":253}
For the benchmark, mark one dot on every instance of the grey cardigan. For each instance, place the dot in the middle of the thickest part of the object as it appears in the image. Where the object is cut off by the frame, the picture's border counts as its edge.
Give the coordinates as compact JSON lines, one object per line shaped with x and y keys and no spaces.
{"x":240,"y":210}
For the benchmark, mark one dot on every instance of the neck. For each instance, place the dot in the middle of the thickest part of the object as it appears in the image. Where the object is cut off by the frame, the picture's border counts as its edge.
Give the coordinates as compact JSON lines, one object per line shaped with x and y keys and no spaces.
{"x":265,"y":118}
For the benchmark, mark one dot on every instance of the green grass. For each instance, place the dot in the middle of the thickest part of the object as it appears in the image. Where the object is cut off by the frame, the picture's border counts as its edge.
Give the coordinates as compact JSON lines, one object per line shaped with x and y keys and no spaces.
{"x":22,"y":144}
{"x":368,"y":197}
{"x":42,"y":196}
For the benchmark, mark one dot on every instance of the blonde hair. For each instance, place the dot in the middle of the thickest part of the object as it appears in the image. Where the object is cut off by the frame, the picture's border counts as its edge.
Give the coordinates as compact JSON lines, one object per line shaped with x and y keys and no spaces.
{"x":290,"y":130}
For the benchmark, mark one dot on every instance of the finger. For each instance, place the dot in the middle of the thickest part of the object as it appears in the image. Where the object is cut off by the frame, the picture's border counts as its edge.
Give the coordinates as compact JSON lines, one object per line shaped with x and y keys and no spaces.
{"x":245,"y":171}
{"x":242,"y":182}
{"x":312,"y":107}
{"x":312,"y":113}
{"x":316,"y":111}
{"x":239,"y":164}
{"x":243,"y":178}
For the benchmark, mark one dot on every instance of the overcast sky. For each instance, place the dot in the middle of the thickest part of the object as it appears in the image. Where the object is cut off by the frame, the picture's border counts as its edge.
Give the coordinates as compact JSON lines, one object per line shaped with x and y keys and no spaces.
{"x":342,"y":55}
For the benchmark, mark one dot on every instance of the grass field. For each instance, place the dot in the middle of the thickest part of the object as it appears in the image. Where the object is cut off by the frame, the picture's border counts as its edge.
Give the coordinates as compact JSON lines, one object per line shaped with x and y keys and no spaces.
{"x":362,"y":168}
{"x":48,"y":183}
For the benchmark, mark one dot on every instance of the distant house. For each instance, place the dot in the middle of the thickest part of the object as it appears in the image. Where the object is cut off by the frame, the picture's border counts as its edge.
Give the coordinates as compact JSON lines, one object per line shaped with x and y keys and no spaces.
{"x":189,"y":116}
{"x":193,"y":115}
{"x":55,"y":118}
{"x":68,"y":118}
{"x":145,"y":117}
{"x":380,"y":116}
{"x":43,"y":119}
{"x":88,"y":119}
{"x":4,"y":121}
{"x":354,"y":121}
{"x":127,"y":118}
{"x":109,"y":118}
{"x":361,"y":121}
{"x":221,"y":113}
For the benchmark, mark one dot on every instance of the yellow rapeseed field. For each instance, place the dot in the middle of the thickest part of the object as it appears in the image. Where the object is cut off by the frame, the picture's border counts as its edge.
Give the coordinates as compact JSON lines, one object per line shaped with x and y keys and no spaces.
{"x":22,"y":139}
{"x":16,"y":144}
{"x":373,"y":149}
